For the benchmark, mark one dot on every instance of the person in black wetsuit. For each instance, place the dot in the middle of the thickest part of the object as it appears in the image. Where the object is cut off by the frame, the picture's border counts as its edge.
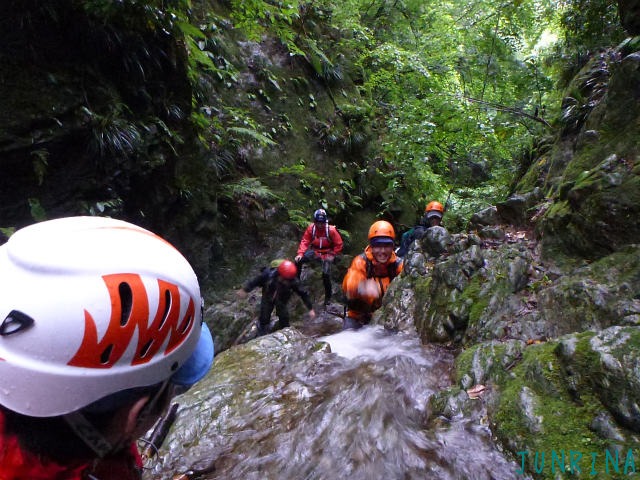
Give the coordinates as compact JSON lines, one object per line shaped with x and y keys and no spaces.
{"x":278,"y":282}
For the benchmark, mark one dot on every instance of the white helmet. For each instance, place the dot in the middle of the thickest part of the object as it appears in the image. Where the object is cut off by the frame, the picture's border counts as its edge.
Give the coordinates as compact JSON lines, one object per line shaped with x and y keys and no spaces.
{"x":91,"y":306}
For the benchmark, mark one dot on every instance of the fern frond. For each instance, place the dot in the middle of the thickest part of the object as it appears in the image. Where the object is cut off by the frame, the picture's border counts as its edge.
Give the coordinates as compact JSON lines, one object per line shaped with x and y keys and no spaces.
{"x":261,"y":138}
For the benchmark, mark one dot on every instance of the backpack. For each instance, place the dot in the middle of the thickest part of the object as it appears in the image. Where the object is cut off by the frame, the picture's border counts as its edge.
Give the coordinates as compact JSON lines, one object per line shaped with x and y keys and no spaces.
{"x":313,"y":232}
{"x":272,"y":268}
{"x":275,"y":263}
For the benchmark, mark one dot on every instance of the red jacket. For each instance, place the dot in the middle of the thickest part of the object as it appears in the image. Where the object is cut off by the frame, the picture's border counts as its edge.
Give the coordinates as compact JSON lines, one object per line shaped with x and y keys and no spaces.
{"x":323,"y":241}
{"x":18,"y":464}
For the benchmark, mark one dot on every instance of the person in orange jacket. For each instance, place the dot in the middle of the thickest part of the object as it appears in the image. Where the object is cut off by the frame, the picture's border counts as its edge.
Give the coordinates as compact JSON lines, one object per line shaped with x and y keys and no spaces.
{"x":369,"y":275}
{"x":322,"y":243}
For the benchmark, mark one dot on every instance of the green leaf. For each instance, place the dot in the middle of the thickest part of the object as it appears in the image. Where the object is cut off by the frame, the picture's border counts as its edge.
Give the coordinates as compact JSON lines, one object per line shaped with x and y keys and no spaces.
{"x":263,"y":139}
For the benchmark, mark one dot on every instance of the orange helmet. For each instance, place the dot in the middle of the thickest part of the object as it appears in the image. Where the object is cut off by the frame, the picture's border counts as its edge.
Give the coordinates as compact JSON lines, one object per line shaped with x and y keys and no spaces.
{"x":287,"y":270}
{"x":434,"y":206}
{"x":381,"y":232}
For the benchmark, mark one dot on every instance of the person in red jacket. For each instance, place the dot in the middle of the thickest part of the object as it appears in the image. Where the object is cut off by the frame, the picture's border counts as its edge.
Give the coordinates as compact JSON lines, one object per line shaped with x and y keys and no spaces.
{"x":321,"y":243}
{"x":369,"y":275}
{"x":100,"y":325}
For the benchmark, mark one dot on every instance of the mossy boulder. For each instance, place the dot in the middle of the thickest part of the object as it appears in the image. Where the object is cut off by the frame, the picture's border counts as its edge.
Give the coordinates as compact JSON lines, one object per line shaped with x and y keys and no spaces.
{"x":555,"y":346}
{"x":470,"y":292}
{"x":551,"y":420}
{"x":593,"y":173}
{"x":607,"y":364}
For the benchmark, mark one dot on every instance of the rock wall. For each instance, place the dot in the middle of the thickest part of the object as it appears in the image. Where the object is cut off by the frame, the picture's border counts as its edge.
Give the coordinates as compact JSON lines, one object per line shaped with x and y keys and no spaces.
{"x":540,"y":297}
{"x":590,"y":178}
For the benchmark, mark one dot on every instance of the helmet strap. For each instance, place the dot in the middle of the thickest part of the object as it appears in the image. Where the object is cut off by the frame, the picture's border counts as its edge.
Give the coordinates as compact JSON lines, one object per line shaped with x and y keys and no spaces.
{"x":152,"y":404}
{"x":88,"y":433}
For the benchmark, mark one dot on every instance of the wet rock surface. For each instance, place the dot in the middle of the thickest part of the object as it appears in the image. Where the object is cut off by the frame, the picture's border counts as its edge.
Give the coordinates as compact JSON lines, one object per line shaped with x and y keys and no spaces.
{"x":366,"y":404}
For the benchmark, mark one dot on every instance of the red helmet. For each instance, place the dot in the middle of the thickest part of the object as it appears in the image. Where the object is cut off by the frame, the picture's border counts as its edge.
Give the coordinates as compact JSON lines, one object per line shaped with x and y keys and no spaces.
{"x":287,"y":270}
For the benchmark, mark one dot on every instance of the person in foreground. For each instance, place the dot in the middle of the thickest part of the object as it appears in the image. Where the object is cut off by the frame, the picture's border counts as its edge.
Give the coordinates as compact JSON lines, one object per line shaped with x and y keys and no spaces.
{"x":278,"y":282}
{"x":369,"y":275}
{"x":100,"y":325}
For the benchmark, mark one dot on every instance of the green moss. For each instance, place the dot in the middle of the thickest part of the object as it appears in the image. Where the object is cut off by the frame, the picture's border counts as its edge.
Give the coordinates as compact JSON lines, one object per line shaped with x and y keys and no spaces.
{"x":628,"y":191}
{"x":476,"y":311}
{"x":422,"y":287}
{"x":631,"y":346}
{"x":464,"y":362}
{"x":558,"y":209}
{"x":587,"y":179}
{"x":584,"y":358}
{"x":491,"y":360}
{"x":617,"y":268}
{"x":622,"y":142}
{"x":473,"y":294}
{"x":534,"y":176}
{"x":556,"y":421}
{"x":584,"y":161}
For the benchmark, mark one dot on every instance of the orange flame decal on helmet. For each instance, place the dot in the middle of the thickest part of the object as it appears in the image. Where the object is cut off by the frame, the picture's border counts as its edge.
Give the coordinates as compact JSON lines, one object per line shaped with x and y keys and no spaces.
{"x":130,"y":312}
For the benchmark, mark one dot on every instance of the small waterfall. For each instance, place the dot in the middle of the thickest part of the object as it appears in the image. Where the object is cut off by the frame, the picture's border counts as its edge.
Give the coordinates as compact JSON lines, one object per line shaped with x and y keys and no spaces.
{"x":358,"y":413}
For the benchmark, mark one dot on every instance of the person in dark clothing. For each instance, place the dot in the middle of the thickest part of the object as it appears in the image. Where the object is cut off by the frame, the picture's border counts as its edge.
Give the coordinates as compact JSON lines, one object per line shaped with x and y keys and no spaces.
{"x":278,"y":282}
{"x":320,"y":243}
{"x":432,"y":217}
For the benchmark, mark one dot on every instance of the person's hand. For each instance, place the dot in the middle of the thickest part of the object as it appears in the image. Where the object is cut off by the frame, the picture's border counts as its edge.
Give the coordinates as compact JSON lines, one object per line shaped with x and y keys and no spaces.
{"x":369,"y":289}
{"x":298,"y":258}
{"x":329,"y":258}
{"x":312,"y":313}
{"x":241,"y":293}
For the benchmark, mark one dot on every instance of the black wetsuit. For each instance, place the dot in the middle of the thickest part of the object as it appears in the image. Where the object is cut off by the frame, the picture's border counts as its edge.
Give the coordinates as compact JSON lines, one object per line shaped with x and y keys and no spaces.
{"x":276,"y":292}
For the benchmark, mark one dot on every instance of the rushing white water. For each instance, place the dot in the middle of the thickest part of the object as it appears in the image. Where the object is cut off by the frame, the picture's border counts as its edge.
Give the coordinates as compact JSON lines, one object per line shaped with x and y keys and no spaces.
{"x":360,"y":412}
{"x":462,"y":446}
{"x":374,"y":343}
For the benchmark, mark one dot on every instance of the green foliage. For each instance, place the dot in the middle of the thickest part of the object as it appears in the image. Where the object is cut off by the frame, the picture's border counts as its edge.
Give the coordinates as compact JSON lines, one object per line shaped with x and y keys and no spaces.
{"x":112,"y":134}
{"x":256,"y":17}
{"x":589,"y":25}
{"x":105,"y":208}
{"x":297,"y":169}
{"x":585,"y":27}
{"x":333,"y":135}
{"x":117,"y":134}
{"x":38,"y":213}
{"x":247,"y":188}
{"x":456,"y":86}
{"x":321,"y":63}
{"x":451,"y":89}
{"x":136,"y":14}
{"x":261,"y":138}
{"x":40,"y":163}
{"x":7,"y":231}
{"x":299,"y":218}
{"x":351,"y":198}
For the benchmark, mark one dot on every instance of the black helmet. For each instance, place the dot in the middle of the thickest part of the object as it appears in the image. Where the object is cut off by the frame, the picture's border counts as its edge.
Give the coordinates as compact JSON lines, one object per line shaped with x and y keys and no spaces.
{"x":320,"y":215}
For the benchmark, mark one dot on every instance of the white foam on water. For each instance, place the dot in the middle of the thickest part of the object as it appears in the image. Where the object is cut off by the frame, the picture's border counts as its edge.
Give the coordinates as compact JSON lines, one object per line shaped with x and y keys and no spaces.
{"x":375,"y":343}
